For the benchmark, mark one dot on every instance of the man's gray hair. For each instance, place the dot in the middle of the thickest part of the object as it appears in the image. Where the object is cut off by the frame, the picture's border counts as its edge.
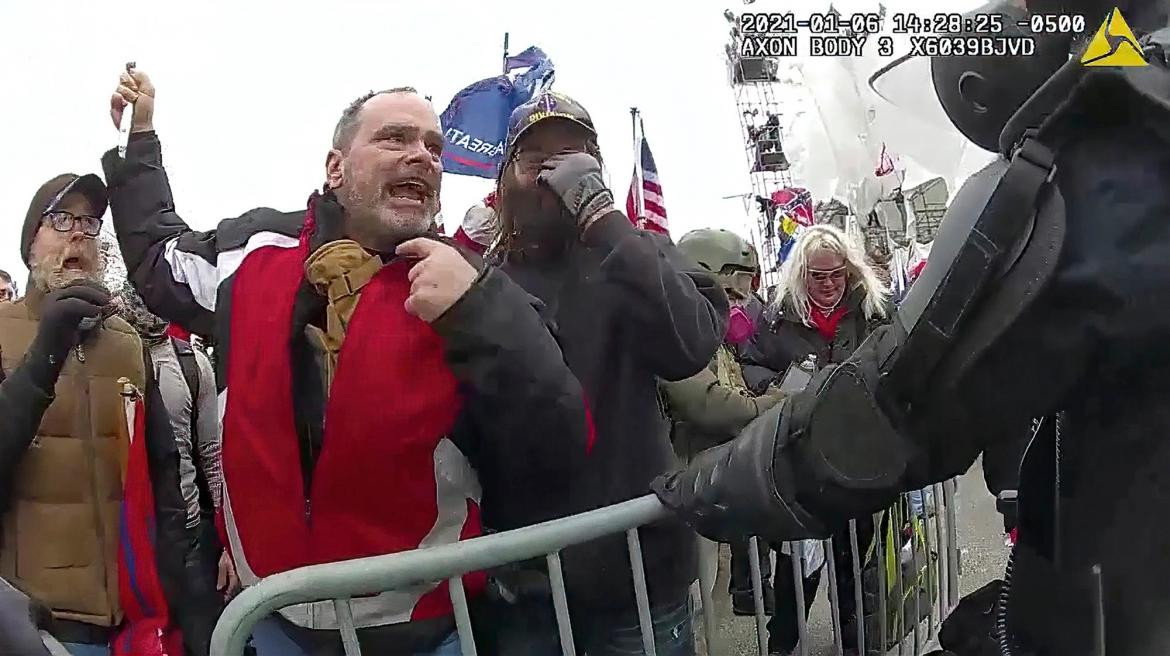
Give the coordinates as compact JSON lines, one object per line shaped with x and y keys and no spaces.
{"x":347,"y":124}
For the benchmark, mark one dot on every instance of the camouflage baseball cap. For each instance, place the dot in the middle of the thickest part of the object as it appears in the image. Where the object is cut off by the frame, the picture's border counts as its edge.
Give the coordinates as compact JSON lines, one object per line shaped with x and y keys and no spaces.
{"x":545,"y":105}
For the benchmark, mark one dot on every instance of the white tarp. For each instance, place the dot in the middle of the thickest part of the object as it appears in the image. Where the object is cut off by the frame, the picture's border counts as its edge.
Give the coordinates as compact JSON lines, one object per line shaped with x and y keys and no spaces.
{"x":839,"y":141}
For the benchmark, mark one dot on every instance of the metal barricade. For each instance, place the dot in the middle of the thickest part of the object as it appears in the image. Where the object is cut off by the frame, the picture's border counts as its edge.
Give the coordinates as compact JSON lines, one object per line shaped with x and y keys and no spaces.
{"x":925,"y":538}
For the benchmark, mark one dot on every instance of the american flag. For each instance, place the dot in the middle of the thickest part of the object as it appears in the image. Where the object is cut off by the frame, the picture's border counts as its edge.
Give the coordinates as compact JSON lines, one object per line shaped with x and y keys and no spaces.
{"x":644,"y":203}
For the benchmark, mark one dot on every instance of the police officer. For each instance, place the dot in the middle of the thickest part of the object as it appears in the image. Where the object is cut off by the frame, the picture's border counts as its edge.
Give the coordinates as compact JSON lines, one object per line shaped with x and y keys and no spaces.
{"x":1044,"y":296}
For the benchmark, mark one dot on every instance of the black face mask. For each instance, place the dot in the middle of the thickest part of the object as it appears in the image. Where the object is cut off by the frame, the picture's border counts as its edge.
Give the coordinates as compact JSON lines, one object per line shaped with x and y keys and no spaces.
{"x":541,"y":225}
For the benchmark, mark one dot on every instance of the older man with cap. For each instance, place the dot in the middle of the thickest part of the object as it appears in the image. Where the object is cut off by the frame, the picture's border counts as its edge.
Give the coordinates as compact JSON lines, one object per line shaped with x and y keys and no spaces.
{"x":64,"y":435}
{"x":630,"y":310}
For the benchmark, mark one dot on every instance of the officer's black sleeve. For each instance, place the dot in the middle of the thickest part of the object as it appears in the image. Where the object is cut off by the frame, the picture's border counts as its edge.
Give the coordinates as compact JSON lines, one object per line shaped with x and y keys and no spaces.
{"x":1101,"y":316}
{"x":1103,"y":313}
{"x":676,"y":313}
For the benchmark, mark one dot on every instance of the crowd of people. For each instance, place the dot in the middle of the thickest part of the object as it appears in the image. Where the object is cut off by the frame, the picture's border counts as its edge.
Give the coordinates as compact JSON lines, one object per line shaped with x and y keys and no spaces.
{"x":376,"y":386}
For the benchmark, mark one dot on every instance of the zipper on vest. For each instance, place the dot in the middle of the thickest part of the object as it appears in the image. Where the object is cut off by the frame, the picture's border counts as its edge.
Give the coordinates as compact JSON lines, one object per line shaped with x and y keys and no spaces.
{"x":89,"y":436}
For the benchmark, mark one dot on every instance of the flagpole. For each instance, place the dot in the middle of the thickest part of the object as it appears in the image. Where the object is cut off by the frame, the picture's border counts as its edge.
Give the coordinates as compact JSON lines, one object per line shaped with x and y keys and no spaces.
{"x":505,"y":65}
{"x":634,"y":131}
{"x":637,"y":160}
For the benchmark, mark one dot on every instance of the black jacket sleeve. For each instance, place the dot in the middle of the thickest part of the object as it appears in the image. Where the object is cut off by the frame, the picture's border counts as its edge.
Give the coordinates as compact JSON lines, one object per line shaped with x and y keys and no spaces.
{"x":191,"y":597}
{"x":677,"y":312}
{"x":23,"y":403}
{"x":172,"y":266}
{"x":524,"y":403}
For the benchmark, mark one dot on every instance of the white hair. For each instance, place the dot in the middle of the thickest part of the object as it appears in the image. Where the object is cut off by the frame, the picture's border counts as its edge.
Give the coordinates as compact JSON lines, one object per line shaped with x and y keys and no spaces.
{"x":861,"y":275}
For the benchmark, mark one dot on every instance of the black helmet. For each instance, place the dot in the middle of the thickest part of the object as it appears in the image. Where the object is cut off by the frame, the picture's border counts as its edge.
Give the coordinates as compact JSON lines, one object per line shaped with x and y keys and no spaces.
{"x":980,"y":93}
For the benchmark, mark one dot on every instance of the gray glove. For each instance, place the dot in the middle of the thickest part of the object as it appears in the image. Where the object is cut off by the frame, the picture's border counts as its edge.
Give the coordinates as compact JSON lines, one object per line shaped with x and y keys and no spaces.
{"x":576,"y":179}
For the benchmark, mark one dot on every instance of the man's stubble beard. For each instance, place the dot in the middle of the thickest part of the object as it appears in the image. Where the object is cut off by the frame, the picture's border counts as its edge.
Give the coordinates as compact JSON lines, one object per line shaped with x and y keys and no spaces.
{"x":378,"y":227}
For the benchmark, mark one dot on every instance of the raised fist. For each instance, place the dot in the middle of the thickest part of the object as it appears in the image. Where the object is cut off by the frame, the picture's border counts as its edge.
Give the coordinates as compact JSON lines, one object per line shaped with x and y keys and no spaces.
{"x":134,"y":88}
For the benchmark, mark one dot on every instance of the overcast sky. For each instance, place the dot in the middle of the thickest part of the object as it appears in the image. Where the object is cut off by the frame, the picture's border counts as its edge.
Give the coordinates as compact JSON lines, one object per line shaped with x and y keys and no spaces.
{"x":248,"y":92}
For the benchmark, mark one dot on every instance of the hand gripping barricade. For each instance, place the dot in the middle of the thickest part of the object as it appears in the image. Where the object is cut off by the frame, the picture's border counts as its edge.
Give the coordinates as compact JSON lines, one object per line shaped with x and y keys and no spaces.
{"x":906,"y":581}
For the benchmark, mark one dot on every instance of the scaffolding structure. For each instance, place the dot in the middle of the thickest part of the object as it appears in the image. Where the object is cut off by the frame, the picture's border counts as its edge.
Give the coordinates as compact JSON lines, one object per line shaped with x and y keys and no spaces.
{"x":896,"y":231}
{"x":758,"y":89}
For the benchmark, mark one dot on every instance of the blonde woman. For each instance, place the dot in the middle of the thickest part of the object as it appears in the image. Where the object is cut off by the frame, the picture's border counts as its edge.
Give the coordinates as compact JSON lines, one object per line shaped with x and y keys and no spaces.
{"x":827,"y":302}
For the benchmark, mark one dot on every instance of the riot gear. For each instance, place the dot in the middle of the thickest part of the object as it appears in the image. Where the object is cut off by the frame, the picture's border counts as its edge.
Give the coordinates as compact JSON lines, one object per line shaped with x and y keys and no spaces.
{"x":979,"y":93}
{"x":1050,"y":266}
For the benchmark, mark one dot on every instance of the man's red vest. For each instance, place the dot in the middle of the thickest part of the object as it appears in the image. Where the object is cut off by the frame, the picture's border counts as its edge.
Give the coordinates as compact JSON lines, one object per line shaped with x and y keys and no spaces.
{"x":387,"y":479}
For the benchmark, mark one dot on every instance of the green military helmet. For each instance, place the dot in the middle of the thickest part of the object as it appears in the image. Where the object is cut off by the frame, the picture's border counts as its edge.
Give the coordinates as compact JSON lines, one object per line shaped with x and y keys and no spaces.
{"x":716,"y":249}
{"x":727,"y":255}
{"x":755,"y":257}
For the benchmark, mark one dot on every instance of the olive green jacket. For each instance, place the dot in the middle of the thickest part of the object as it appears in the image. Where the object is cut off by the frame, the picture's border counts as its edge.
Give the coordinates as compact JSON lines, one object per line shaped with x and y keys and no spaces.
{"x":712,"y":406}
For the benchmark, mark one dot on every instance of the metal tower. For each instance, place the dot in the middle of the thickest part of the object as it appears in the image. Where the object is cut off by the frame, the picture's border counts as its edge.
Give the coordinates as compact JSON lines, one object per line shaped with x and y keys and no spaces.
{"x":758,"y":85}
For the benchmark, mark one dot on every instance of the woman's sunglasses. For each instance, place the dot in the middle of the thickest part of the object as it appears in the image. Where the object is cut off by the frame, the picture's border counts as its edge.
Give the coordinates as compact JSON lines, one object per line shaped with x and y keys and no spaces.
{"x":836,"y":275}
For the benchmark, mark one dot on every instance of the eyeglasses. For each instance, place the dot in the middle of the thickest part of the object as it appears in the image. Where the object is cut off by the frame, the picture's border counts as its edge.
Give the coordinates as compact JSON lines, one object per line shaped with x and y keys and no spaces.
{"x":531,"y":161}
{"x":836,"y":275}
{"x":63,"y":221}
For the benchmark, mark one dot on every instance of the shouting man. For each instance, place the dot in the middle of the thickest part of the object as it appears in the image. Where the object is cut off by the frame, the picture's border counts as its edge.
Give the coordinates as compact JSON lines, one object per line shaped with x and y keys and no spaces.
{"x":430,"y":368}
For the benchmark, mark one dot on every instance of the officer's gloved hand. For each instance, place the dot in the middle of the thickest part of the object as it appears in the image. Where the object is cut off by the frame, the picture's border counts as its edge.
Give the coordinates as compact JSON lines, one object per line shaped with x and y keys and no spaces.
{"x":18,"y":630}
{"x":822,"y":456}
{"x":576,"y":179}
{"x":63,"y":313}
{"x":734,"y":490}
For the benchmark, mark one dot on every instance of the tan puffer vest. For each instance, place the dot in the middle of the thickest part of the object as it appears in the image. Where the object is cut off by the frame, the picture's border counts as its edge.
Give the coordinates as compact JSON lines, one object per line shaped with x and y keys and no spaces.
{"x":59,"y":539}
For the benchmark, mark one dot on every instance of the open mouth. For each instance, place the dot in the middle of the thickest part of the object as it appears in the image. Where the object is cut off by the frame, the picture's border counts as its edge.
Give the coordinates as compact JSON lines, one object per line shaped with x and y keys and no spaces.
{"x":413,"y":191}
{"x":73,"y":263}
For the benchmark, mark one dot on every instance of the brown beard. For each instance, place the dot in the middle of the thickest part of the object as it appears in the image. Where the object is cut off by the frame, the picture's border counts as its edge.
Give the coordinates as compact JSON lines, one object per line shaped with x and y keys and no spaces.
{"x":539,"y":223}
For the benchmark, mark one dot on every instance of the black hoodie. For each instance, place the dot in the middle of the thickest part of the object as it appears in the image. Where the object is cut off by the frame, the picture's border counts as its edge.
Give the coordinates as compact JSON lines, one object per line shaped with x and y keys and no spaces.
{"x":628,"y":309}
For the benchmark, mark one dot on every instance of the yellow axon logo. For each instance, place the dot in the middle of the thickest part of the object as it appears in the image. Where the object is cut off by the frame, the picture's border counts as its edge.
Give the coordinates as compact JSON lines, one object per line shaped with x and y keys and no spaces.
{"x":1114,"y":44}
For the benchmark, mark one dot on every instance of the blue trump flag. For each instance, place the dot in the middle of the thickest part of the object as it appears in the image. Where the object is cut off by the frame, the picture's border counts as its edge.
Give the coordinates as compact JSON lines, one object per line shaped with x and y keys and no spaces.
{"x":475,"y":122}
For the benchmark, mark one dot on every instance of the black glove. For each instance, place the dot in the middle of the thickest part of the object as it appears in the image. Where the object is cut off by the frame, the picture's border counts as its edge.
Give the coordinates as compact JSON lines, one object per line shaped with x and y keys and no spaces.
{"x":817,"y":459}
{"x":734,"y":490}
{"x":63,"y":313}
{"x":576,"y":179}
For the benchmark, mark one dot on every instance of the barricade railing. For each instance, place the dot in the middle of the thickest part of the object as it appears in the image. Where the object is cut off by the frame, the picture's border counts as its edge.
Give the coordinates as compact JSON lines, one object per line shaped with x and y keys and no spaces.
{"x":912,"y":539}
